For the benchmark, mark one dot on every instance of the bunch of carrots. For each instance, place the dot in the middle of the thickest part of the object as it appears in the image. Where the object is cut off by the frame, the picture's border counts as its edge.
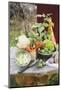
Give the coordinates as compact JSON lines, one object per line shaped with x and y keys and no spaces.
{"x":37,"y":45}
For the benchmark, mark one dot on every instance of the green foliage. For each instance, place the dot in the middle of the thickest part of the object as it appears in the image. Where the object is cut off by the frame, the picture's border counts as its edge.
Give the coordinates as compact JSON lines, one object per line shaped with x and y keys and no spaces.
{"x":39,"y":25}
{"x":34,"y":36}
{"x":40,"y":28}
{"x":45,"y":24}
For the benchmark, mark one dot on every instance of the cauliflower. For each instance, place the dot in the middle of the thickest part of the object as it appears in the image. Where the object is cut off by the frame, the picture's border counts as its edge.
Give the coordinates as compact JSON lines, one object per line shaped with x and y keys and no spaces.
{"x":23,"y":41}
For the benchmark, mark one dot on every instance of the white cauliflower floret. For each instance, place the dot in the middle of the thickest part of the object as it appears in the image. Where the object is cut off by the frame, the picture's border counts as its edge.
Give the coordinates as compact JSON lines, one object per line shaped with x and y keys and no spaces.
{"x":23,"y":41}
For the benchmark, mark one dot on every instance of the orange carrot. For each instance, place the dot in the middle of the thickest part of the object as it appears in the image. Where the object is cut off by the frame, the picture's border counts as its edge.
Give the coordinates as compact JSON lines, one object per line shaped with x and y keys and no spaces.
{"x":28,"y":49}
{"x":38,"y":44}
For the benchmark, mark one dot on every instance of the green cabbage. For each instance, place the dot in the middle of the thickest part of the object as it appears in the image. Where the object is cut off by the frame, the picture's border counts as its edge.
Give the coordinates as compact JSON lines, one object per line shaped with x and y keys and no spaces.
{"x":49,"y":45}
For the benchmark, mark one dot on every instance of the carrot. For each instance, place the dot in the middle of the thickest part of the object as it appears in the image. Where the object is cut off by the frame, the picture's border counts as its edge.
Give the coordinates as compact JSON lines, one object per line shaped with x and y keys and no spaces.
{"x":28,"y":49}
{"x":38,"y":44}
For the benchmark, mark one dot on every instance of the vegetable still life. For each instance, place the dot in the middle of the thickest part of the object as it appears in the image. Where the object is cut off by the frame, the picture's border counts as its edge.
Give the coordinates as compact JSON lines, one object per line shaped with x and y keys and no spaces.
{"x":34,"y":44}
{"x":39,"y":43}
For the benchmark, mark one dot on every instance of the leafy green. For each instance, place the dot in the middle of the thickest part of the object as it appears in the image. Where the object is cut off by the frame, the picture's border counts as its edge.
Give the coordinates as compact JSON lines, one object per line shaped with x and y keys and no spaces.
{"x":34,"y":36}
{"x":40,"y":29}
{"x":45,"y":51}
{"x":48,"y":48}
{"x":49,"y":44}
{"x":45,"y":24}
{"x":37,"y":25}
